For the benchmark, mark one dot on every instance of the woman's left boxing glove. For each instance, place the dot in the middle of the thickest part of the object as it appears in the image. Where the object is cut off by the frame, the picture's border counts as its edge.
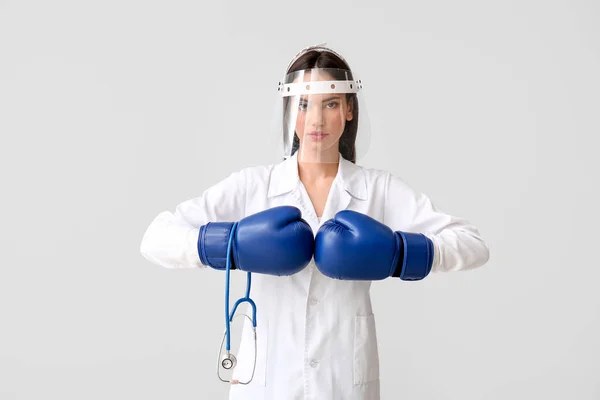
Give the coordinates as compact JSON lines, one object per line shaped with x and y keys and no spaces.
{"x":354,"y":246}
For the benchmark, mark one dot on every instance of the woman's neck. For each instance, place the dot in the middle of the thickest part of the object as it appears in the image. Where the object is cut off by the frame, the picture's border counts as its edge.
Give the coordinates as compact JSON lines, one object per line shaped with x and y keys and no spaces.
{"x":316,"y":171}
{"x":317,"y":167}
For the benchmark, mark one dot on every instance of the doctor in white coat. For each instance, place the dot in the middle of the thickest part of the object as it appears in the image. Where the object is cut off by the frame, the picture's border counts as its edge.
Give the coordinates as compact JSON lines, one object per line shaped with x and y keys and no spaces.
{"x":316,"y":334}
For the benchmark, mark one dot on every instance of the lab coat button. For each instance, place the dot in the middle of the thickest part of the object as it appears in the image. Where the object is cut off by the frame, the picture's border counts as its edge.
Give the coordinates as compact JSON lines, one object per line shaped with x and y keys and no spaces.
{"x":313,"y":302}
{"x":314,"y":363}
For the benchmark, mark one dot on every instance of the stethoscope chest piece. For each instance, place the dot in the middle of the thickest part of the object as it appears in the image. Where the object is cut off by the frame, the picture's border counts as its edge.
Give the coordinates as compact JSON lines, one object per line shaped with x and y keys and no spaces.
{"x":229,"y":361}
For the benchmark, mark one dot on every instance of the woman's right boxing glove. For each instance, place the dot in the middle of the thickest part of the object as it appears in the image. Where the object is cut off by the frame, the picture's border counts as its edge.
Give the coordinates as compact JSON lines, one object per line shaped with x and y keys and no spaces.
{"x":276,"y":241}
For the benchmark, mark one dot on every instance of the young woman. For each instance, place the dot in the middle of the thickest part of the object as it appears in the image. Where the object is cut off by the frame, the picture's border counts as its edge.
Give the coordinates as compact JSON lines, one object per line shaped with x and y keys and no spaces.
{"x":315,"y":229}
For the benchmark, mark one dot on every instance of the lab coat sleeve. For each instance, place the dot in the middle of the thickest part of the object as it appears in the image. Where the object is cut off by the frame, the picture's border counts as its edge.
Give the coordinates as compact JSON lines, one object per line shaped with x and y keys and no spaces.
{"x":171,"y":238}
{"x":457,"y":243}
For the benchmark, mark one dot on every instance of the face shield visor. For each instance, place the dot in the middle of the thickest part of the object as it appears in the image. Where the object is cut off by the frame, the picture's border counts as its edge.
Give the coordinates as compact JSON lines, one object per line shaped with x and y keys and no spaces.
{"x":320,"y":114}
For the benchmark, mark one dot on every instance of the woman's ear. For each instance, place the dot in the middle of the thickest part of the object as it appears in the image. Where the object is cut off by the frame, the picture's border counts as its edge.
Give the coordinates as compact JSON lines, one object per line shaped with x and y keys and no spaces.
{"x":350,"y":110}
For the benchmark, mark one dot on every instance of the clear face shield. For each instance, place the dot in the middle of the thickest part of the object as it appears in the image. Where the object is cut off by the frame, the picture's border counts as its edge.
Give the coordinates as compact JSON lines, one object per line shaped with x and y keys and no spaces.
{"x":321,"y":114}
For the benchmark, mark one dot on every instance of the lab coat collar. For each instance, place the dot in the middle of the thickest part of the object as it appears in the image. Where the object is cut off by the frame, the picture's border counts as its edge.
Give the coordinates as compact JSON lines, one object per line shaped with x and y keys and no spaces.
{"x":285,"y":178}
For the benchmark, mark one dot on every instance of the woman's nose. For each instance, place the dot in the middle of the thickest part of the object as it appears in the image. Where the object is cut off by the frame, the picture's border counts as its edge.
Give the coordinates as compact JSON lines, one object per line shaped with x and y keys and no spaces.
{"x":315,"y":115}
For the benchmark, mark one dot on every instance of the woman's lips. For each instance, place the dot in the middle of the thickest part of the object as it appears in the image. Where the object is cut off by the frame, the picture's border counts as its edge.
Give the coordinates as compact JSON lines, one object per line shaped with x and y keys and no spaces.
{"x":317,"y":135}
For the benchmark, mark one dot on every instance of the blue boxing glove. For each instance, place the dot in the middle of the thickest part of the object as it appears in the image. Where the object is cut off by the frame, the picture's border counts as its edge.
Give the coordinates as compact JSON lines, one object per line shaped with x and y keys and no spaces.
{"x":276,"y":241}
{"x":354,"y":246}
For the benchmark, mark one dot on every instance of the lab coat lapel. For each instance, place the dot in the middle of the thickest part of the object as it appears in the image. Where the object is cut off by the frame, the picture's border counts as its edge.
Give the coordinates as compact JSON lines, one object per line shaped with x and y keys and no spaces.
{"x":349,"y":183}
{"x":285,"y":188}
{"x":337,"y":200}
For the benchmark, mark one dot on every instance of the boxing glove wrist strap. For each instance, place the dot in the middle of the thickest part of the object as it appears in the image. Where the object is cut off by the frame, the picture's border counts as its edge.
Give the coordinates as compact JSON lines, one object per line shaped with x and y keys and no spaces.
{"x":416,"y":256}
{"x":212,"y":244}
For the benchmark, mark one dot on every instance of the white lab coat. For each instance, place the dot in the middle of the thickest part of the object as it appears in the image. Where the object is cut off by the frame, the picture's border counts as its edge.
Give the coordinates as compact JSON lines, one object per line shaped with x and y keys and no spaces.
{"x":316,"y":335}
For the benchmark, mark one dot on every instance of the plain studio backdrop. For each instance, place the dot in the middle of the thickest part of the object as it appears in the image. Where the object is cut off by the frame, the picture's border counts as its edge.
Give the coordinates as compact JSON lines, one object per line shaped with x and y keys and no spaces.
{"x":113,"y":111}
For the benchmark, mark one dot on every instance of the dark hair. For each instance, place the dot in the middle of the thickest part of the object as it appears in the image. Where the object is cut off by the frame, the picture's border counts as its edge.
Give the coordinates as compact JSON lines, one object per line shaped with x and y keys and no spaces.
{"x":340,"y":70}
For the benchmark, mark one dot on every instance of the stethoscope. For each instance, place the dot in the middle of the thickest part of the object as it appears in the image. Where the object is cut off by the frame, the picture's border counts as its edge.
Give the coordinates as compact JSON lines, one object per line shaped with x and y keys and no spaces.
{"x":228,"y":360}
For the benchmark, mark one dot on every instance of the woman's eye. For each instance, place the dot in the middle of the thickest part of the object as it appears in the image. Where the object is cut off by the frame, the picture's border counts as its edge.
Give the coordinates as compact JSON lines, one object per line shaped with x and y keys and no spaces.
{"x":302,"y":106}
{"x":332,"y":104}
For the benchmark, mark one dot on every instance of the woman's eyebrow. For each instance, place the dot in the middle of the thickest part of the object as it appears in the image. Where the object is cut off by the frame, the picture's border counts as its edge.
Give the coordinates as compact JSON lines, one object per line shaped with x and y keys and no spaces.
{"x":324,"y":100}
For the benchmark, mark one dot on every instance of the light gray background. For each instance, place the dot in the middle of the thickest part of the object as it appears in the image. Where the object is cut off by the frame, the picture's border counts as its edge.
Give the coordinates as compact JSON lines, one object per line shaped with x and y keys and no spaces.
{"x":113,"y":111}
